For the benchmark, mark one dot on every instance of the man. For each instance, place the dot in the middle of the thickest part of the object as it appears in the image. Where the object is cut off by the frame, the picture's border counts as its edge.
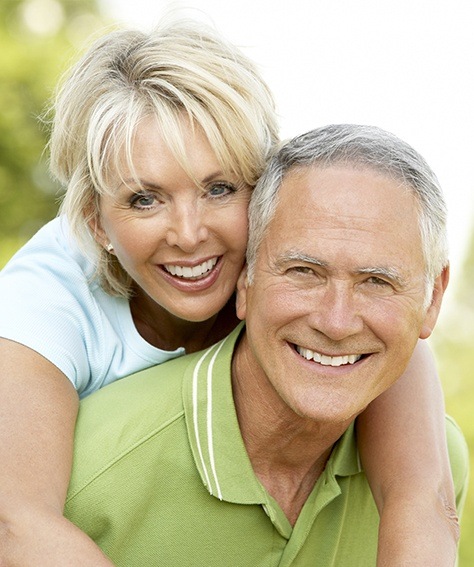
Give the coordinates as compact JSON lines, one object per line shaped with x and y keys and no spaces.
{"x":245,"y":454}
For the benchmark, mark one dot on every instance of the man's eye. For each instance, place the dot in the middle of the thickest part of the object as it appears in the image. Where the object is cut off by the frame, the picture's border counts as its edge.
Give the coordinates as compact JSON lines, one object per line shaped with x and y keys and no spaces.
{"x":378,"y":281}
{"x":302,"y":270}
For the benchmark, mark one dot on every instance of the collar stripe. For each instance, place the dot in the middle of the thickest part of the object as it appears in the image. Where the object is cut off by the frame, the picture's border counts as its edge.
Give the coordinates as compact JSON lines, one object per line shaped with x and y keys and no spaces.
{"x":210,"y":439}
{"x":195,"y":417}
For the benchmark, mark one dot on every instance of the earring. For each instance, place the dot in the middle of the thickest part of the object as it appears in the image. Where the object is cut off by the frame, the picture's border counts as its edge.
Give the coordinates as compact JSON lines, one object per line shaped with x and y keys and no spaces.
{"x":109,"y":247}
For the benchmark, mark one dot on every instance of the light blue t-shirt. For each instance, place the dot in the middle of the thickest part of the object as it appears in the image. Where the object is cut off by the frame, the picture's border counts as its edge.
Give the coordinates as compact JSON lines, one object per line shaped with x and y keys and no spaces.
{"x":49,"y":303}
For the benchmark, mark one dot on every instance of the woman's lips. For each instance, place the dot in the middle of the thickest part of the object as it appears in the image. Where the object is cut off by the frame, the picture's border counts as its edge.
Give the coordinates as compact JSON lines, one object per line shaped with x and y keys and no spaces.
{"x":192,"y":272}
{"x":193,"y":278}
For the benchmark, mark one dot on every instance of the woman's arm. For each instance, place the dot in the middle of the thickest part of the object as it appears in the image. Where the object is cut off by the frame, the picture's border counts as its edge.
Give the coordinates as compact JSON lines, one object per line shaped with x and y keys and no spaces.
{"x":38,"y":408}
{"x":402,"y":442}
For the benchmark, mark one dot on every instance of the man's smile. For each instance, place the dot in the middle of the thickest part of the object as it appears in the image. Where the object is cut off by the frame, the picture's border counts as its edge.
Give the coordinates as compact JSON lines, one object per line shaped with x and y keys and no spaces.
{"x":326,"y":360}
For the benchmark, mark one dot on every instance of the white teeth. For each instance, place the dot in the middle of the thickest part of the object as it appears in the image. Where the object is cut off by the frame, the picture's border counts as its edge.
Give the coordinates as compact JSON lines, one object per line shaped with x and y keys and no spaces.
{"x":186,"y":272}
{"x":326,"y":360}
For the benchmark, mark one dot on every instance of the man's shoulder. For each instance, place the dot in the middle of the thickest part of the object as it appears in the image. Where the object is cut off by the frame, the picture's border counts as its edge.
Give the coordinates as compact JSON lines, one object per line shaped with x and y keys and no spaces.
{"x":158,"y":389}
{"x":120,"y":417}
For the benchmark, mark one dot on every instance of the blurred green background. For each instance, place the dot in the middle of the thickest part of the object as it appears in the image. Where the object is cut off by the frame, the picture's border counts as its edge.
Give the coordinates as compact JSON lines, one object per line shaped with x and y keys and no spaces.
{"x":38,"y":38}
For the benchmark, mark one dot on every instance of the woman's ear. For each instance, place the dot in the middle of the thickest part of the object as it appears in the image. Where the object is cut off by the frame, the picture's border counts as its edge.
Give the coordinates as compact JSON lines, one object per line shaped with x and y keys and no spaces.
{"x":440,"y":285}
{"x":241,"y":300}
{"x":95,"y":227}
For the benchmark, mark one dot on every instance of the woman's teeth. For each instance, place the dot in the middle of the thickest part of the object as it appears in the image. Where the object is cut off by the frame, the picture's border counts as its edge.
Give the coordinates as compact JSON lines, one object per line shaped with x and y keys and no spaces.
{"x":328,"y":360}
{"x":191,"y":272}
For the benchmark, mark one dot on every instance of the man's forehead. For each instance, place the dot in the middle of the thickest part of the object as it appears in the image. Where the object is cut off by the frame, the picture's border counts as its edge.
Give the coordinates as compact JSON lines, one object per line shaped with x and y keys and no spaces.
{"x":313,"y":175}
{"x":360,"y":211}
{"x":345,"y":193}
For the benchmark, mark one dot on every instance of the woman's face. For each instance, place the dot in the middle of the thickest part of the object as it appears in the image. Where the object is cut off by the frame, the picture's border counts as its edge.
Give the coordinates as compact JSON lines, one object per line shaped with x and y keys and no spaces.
{"x":183,"y":242}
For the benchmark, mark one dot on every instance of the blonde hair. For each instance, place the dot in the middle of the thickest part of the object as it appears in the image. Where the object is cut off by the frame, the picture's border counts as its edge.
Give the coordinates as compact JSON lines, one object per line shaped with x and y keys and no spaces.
{"x":180,"y":67}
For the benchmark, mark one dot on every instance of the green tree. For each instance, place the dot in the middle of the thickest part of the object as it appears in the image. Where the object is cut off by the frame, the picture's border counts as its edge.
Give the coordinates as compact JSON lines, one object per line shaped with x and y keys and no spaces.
{"x":37,"y":40}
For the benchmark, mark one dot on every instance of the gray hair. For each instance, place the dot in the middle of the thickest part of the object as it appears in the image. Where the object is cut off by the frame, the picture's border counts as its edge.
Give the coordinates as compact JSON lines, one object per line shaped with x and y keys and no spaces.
{"x":181,"y":67}
{"x":361,"y":147}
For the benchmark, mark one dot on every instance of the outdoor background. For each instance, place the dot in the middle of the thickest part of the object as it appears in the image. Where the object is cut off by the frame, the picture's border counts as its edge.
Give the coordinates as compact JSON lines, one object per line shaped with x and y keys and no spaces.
{"x":404,"y":65}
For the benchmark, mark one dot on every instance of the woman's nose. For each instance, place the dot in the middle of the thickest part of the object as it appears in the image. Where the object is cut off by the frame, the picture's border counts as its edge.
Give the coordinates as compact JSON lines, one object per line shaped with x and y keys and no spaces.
{"x":187,"y":229}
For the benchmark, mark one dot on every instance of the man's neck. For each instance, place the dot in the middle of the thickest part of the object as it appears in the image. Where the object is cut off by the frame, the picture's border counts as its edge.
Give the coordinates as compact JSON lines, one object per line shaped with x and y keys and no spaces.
{"x":288,"y":452}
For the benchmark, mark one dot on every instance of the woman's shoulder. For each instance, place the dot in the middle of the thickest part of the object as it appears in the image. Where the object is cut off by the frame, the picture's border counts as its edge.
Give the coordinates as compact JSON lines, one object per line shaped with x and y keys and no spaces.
{"x":50,"y":304}
{"x":53,"y":246}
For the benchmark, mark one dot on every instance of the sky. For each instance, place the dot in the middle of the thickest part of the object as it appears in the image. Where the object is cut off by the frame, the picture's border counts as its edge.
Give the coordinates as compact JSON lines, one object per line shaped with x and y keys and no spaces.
{"x":404,"y":65}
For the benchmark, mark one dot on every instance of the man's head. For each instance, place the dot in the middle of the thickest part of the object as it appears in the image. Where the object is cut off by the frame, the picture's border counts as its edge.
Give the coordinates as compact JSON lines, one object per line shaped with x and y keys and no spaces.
{"x":361,"y":147}
{"x":347,"y":237}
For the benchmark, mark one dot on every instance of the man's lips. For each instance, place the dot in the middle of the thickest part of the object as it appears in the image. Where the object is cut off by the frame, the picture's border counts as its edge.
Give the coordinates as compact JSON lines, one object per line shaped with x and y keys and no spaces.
{"x":326,"y":360}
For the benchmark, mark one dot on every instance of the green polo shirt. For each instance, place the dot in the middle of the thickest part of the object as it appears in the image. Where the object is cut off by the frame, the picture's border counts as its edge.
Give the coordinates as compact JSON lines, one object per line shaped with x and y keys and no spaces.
{"x":161,"y":478}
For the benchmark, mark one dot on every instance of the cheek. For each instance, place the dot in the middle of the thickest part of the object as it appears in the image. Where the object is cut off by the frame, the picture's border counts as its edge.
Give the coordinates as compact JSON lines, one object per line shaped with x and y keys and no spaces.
{"x":232,"y":227}
{"x":133,"y":233}
{"x":397,"y":327}
{"x":271,"y":306}
{"x":133,"y":246}
{"x":286,"y":302}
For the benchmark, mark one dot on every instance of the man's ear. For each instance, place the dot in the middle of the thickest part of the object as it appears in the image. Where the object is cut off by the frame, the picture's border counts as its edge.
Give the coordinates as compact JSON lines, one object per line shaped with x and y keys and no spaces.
{"x":440,"y":285}
{"x":241,"y":299}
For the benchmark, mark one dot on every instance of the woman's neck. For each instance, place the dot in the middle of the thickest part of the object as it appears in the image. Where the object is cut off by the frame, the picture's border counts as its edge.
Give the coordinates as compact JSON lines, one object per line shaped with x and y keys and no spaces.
{"x":163,"y":330}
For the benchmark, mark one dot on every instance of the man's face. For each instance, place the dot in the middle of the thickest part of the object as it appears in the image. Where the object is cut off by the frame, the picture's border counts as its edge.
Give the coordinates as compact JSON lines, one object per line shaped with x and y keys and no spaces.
{"x":336,"y":305}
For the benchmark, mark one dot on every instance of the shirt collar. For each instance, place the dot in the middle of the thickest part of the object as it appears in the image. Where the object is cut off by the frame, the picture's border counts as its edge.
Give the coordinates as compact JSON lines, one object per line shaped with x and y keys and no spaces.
{"x":214,"y":434}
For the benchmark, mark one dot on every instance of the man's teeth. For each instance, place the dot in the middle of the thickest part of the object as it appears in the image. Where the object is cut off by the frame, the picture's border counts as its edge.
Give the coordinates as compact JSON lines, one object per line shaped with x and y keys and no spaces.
{"x":194,"y":272}
{"x":328,"y":360}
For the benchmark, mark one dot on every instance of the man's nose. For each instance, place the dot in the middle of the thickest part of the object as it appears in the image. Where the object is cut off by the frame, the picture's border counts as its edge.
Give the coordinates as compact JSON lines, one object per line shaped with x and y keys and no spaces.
{"x":336,"y":313}
{"x":186,"y":227}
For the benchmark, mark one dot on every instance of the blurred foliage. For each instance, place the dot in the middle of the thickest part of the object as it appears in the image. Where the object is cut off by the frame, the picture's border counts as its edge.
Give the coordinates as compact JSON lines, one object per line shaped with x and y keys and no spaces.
{"x":37,"y":40}
{"x":34,"y":52}
{"x":453,"y":344}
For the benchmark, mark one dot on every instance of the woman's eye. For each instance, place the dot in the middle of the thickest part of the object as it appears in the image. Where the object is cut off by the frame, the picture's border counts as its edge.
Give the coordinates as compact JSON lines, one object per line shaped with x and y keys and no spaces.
{"x":220,"y":190}
{"x":142,"y":200}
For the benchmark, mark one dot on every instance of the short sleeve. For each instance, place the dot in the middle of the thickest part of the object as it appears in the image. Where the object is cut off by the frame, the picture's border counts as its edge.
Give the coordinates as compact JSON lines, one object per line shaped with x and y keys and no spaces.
{"x":46,"y":303}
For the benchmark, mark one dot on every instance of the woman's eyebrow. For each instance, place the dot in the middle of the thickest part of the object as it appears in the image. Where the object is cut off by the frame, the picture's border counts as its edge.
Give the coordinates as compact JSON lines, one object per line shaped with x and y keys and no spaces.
{"x":129,"y":181}
{"x":152,"y":185}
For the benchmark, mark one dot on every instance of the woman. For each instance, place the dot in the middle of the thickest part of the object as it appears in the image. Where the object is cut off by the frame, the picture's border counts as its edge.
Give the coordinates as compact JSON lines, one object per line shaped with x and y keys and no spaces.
{"x":158,"y":139}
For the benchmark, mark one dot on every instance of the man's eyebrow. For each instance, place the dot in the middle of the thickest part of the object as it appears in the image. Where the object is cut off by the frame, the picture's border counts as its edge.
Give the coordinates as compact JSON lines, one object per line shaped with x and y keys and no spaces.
{"x":384,"y":272}
{"x":391,"y":274}
{"x":295,"y":255}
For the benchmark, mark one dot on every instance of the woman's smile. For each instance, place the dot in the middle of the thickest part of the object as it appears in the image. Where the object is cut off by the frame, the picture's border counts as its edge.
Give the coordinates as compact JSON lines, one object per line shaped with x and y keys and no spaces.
{"x":198,"y":271}
{"x":192,"y":278}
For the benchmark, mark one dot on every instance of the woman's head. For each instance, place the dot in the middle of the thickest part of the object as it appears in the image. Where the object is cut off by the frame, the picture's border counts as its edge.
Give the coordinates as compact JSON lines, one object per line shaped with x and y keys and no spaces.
{"x":180,"y":69}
